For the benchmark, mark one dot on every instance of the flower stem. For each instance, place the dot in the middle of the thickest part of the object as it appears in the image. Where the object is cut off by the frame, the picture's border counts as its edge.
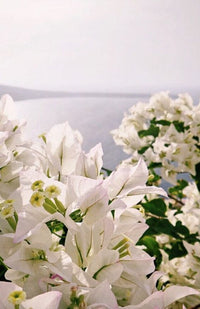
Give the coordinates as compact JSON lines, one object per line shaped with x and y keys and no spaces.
{"x":175,"y":199}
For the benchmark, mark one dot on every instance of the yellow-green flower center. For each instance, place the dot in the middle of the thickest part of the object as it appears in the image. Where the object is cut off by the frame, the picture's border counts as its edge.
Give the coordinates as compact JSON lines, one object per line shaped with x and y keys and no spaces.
{"x":7,"y":212}
{"x":17,"y":297}
{"x":37,"y":199}
{"x":52,"y":191}
{"x":6,"y":203}
{"x":38,"y":254}
{"x":37,"y":185}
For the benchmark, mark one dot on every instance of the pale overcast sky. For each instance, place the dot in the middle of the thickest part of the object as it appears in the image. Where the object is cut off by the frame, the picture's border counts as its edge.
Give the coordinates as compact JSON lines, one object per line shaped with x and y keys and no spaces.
{"x":100,"y":45}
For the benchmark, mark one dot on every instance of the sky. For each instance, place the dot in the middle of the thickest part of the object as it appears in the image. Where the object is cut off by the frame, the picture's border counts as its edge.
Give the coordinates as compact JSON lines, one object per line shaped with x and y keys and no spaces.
{"x":123,"y":46}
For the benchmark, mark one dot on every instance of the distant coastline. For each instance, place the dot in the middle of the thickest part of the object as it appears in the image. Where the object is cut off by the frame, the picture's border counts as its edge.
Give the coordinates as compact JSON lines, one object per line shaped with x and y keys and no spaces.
{"x":21,"y":94}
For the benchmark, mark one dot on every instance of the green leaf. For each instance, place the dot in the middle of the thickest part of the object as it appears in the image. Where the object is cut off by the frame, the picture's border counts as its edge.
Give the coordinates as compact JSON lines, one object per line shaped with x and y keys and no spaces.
{"x":156,"y":207}
{"x":3,"y":269}
{"x":178,"y":189}
{"x":152,"y":130}
{"x":196,"y":138}
{"x":181,"y":229}
{"x":192,"y":238}
{"x":179,"y":125}
{"x":197,"y":176}
{"x":153,"y":179}
{"x":160,"y":226}
{"x":161,"y":121}
{"x":177,"y":250}
{"x":143,"y":149}
{"x":76,"y":215}
{"x":155,"y":165}
{"x":55,"y":225}
{"x":152,"y":248}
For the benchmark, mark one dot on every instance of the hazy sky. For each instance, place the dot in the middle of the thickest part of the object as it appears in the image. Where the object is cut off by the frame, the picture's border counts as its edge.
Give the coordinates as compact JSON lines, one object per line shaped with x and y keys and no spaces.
{"x":100,"y":45}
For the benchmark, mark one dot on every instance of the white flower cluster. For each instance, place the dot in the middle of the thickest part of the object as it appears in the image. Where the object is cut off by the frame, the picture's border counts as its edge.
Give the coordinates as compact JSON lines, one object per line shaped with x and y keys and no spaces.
{"x":184,"y":270}
{"x":68,"y":235}
{"x":164,"y":131}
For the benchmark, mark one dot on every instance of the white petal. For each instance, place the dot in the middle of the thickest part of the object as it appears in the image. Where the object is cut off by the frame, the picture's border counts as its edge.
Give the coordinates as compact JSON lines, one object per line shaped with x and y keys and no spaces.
{"x":105,"y":265}
{"x":173,"y":293}
{"x":49,"y":300}
{"x":8,"y":107}
{"x":102,"y":295}
{"x":155,"y":301}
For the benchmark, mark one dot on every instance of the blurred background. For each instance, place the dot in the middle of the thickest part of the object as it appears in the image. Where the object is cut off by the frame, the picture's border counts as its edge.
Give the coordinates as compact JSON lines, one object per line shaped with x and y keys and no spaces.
{"x":88,"y":61}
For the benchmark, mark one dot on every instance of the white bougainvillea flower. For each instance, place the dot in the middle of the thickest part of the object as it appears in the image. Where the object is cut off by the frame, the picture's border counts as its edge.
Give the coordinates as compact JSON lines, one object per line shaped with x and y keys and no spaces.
{"x":48,"y":300}
{"x":101,"y":297}
{"x":9,"y":124}
{"x":29,"y":203}
{"x":83,"y":193}
{"x":155,"y":301}
{"x":162,"y":299}
{"x":136,"y":266}
{"x":25,"y":191}
{"x":136,"y":195}
{"x":78,"y":186}
{"x":127,"y":234}
{"x":7,"y":107}
{"x":93,"y":204}
{"x":125,"y":220}
{"x":79,"y":245}
{"x":40,"y":255}
{"x":5,"y":155}
{"x":125,"y":178}
{"x":165,"y":131}
{"x":90,"y":164}
{"x":192,"y":198}
{"x":29,"y":284}
{"x":128,"y":183}
{"x":15,"y":152}
{"x":178,"y":270}
{"x":7,"y":246}
{"x":31,"y":220}
{"x":92,"y":248}
{"x":87,"y":198}
{"x":133,"y":264}
{"x":11,"y":171}
{"x":63,"y":148}
{"x":12,"y":295}
{"x":105,"y":266}
{"x":94,"y":162}
{"x":143,"y":290}
{"x":7,"y":295}
{"x":88,"y":240}
{"x":174,"y":293}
